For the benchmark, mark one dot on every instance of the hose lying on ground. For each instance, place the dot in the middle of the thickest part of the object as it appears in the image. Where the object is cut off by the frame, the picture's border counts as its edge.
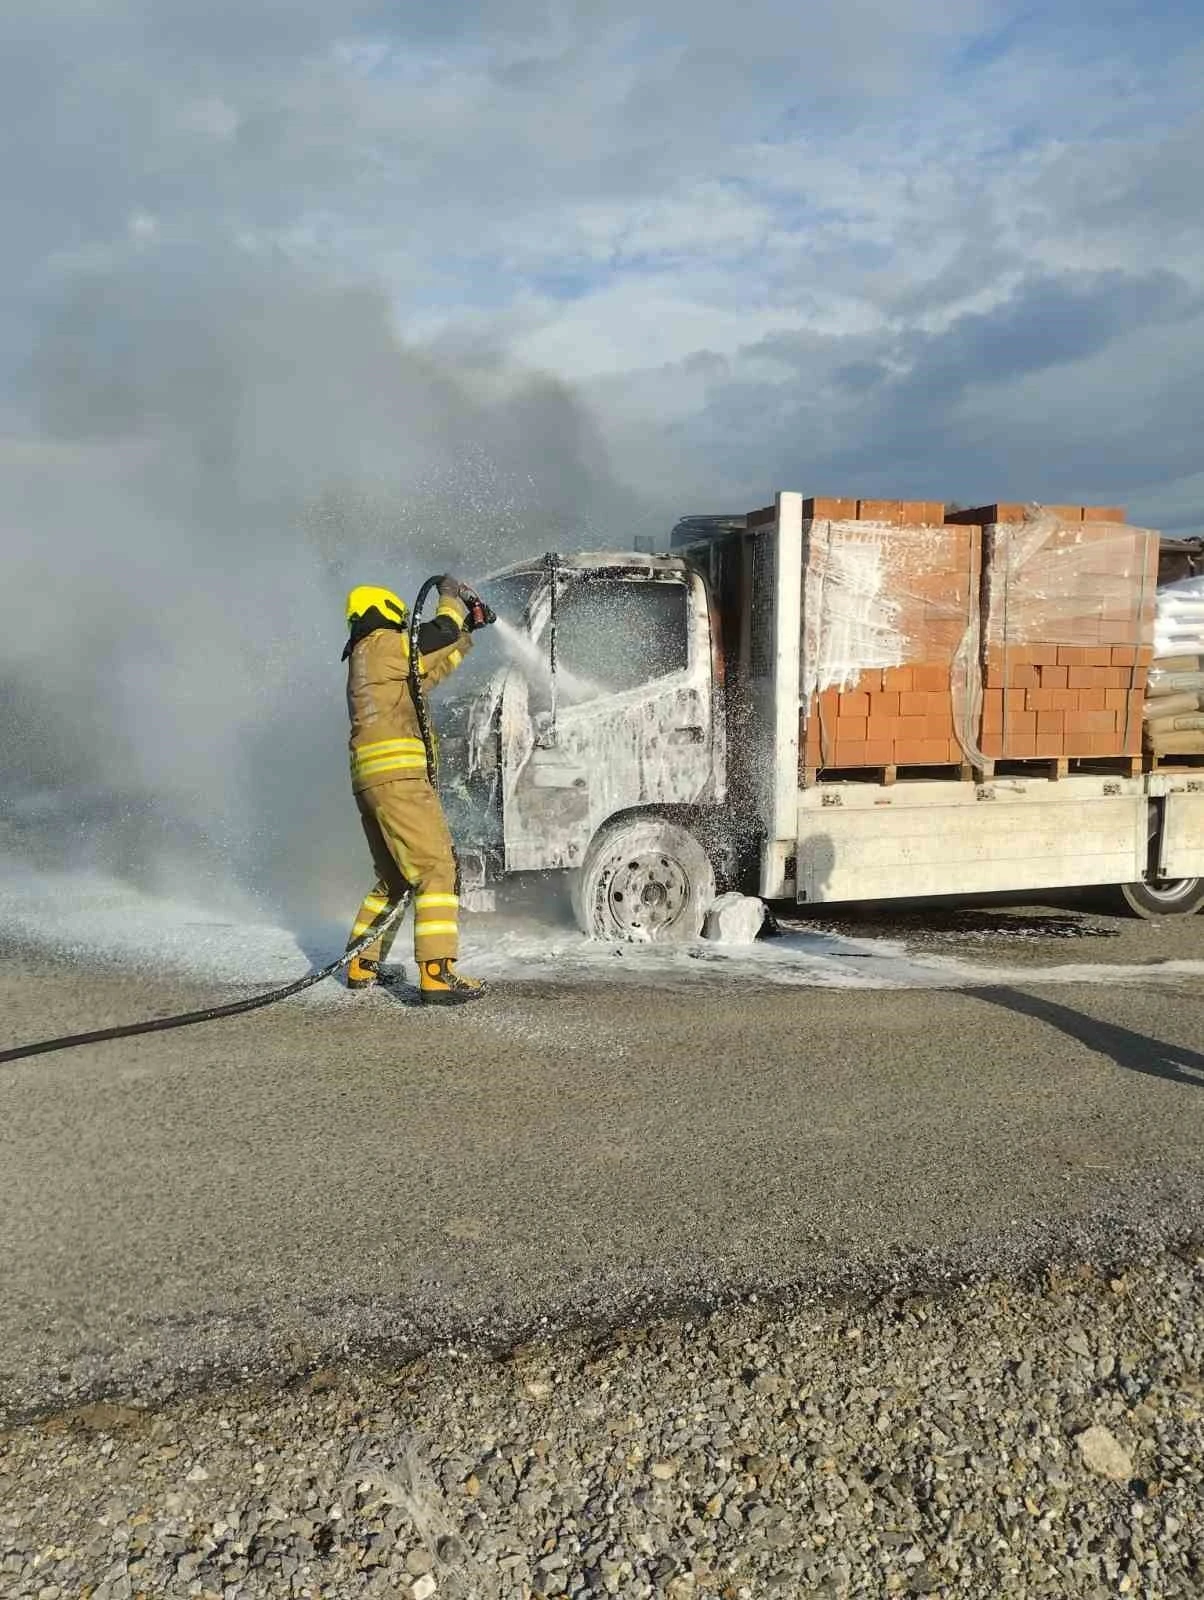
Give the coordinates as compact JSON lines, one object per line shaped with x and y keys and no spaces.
{"x":211,"y":1013}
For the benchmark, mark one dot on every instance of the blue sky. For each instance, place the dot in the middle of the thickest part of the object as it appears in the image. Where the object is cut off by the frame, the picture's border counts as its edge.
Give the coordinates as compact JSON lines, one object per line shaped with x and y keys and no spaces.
{"x":847,"y":248}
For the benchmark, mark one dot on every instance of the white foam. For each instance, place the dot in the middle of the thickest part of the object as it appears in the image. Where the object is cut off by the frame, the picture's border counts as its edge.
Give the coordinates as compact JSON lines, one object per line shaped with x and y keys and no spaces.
{"x":96,"y":920}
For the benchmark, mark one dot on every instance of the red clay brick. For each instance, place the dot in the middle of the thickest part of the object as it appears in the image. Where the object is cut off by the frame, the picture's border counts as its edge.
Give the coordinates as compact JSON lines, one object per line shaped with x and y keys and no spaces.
{"x":884,"y":704}
{"x":879,"y":752}
{"x":1053,"y":677}
{"x":1098,"y":656}
{"x":1094,"y":699}
{"x":1048,"y":744}
{"x":897,"y":680}
{"x":1039,"y":699}
{"x":854,"y":705}
{"x":1066,"y":699}
{"x":935,"y":752}
{"x":1050,"y":722}
{"x":1083,"y":677}
{"x":880,"y":511}
{"x":829,"y":509}
{"x":849,"y":753}
{"x":851,"y":730}
{"x":931,"y":679}
{"x":1104,"y":514}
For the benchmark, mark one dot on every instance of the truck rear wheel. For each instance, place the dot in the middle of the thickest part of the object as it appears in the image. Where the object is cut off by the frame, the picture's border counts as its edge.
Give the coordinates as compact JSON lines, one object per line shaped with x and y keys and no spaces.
{"x":644,"y":881}
{"x":1178,"y":898}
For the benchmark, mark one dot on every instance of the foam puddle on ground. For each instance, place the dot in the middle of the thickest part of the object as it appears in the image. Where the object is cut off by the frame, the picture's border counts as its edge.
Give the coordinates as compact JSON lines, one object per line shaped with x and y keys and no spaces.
{"x":95,"y":921}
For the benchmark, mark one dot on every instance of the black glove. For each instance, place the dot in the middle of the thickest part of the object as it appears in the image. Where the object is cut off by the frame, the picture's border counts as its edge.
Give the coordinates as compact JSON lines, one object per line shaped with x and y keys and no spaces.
{"x":450,"y":588}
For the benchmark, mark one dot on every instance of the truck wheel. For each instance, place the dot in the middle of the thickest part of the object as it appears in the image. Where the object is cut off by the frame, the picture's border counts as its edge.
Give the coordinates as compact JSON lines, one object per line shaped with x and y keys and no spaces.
{"x":644,"y":881}
{"x":1178,"y":898}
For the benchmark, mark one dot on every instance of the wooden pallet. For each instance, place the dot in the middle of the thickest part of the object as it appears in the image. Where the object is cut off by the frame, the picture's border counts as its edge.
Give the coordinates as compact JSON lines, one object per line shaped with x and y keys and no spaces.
{"x":1191,"y":762}
{"x":1046,"y":768}
{"x":1063,"y":766}
{"x":885,"y":776}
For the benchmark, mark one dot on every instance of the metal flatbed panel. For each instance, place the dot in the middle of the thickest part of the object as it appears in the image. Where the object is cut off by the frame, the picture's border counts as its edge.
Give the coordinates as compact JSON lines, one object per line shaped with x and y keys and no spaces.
{"x":1182,"y":854}
{"x":871,"y":842}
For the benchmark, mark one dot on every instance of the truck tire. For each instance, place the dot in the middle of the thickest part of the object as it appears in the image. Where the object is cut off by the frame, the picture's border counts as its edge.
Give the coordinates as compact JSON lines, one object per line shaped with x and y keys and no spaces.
{"x":1172,"y":899}
{"x":644,"y":881}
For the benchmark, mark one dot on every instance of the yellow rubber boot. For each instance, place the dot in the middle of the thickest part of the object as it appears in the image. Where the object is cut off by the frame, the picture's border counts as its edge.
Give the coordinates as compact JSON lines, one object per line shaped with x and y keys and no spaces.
{"x":441,"y":985}
{"x":362,"y":974}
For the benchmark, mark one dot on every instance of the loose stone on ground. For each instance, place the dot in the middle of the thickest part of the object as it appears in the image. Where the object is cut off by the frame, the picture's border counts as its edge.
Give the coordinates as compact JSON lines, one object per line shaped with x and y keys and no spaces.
{"x":993,"y":1441}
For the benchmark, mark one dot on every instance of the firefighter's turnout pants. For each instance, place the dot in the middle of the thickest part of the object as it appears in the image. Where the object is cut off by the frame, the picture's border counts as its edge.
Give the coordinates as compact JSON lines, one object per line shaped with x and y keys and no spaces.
{"x":411,"y":848}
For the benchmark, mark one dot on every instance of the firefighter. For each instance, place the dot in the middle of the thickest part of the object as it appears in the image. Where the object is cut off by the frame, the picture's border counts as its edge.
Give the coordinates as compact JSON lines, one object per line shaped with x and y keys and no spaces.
{"x":402,"y":818}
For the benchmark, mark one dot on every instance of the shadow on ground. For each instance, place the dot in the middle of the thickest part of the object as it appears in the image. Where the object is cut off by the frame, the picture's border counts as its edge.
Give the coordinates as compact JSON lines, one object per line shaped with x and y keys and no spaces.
{"x":1137,"y":1052}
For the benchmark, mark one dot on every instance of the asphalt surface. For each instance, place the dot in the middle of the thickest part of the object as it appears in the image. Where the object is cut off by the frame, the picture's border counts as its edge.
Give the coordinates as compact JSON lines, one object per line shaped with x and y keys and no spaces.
{"x":313,"y":1182}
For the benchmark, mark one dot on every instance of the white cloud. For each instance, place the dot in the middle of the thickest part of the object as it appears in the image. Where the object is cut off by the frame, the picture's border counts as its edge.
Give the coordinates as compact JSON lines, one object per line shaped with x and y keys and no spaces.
{"x":619,"y":194}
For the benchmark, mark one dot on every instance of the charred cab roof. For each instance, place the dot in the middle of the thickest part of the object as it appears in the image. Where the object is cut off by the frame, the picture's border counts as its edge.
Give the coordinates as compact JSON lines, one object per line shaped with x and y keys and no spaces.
{"x":601,"y":561}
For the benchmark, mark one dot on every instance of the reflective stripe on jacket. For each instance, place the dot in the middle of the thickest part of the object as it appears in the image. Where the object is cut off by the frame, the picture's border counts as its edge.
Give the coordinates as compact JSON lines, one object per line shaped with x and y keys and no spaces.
{"x":386,"y":742}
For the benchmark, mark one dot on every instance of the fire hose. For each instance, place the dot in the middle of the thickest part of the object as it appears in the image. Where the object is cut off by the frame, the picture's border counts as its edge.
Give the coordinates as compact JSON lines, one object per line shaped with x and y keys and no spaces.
{"x":479,"y":614}
{"x":233,"y":1008}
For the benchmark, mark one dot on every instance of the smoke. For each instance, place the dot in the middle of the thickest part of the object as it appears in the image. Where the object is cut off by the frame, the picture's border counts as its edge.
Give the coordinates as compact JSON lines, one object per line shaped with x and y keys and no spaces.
{"x":207,"y":457}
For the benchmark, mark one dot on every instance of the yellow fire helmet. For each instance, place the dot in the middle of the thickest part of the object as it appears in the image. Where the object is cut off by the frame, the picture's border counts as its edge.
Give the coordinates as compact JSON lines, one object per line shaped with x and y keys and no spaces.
{"x":366,"y":596}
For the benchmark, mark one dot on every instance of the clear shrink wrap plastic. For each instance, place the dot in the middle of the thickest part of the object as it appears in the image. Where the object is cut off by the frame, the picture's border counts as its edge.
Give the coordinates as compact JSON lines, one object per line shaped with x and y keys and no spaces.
{"x":890,"y":617}
{"x":991,"y":608}
{"x":1174,"y":707}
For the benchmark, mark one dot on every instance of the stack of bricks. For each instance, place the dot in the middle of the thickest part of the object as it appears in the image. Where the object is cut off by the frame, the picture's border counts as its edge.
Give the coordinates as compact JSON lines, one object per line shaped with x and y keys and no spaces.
{"x":889,"y":590}
{"x":899,"y":716}
{"x":1067,"y":618}
{"x":1049,"y":701}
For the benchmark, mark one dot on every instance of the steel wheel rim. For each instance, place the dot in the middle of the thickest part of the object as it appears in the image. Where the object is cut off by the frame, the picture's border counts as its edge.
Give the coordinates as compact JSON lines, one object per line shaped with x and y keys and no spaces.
{"x":647,"y":894}
{"x":1172,"y":889}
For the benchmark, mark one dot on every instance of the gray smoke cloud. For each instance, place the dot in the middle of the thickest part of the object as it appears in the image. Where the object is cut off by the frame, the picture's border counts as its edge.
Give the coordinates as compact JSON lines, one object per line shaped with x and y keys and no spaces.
{"x":212,"y":454}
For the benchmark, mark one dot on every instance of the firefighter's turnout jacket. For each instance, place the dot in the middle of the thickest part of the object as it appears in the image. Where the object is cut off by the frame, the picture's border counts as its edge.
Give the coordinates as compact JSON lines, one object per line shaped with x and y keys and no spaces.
{"x":386,"y":742}
{"x":402,"y":818}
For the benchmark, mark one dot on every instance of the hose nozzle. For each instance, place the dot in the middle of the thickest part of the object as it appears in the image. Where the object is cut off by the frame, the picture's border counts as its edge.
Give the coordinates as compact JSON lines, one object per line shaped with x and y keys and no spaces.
{"x":479,"y":614}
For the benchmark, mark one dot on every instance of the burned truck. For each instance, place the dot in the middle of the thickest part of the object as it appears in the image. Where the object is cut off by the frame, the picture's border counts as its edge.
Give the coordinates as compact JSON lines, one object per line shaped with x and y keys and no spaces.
{"x":600,"y":747}
{"x":648,"y":733}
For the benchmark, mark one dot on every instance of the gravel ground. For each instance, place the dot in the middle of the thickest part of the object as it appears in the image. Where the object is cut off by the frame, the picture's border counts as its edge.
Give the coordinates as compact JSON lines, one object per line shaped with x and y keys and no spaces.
{"x":996,"y":1440}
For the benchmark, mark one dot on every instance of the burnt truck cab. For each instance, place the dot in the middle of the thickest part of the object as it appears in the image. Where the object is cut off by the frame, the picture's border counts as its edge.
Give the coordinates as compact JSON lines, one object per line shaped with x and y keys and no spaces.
{"x":587,"y":735}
